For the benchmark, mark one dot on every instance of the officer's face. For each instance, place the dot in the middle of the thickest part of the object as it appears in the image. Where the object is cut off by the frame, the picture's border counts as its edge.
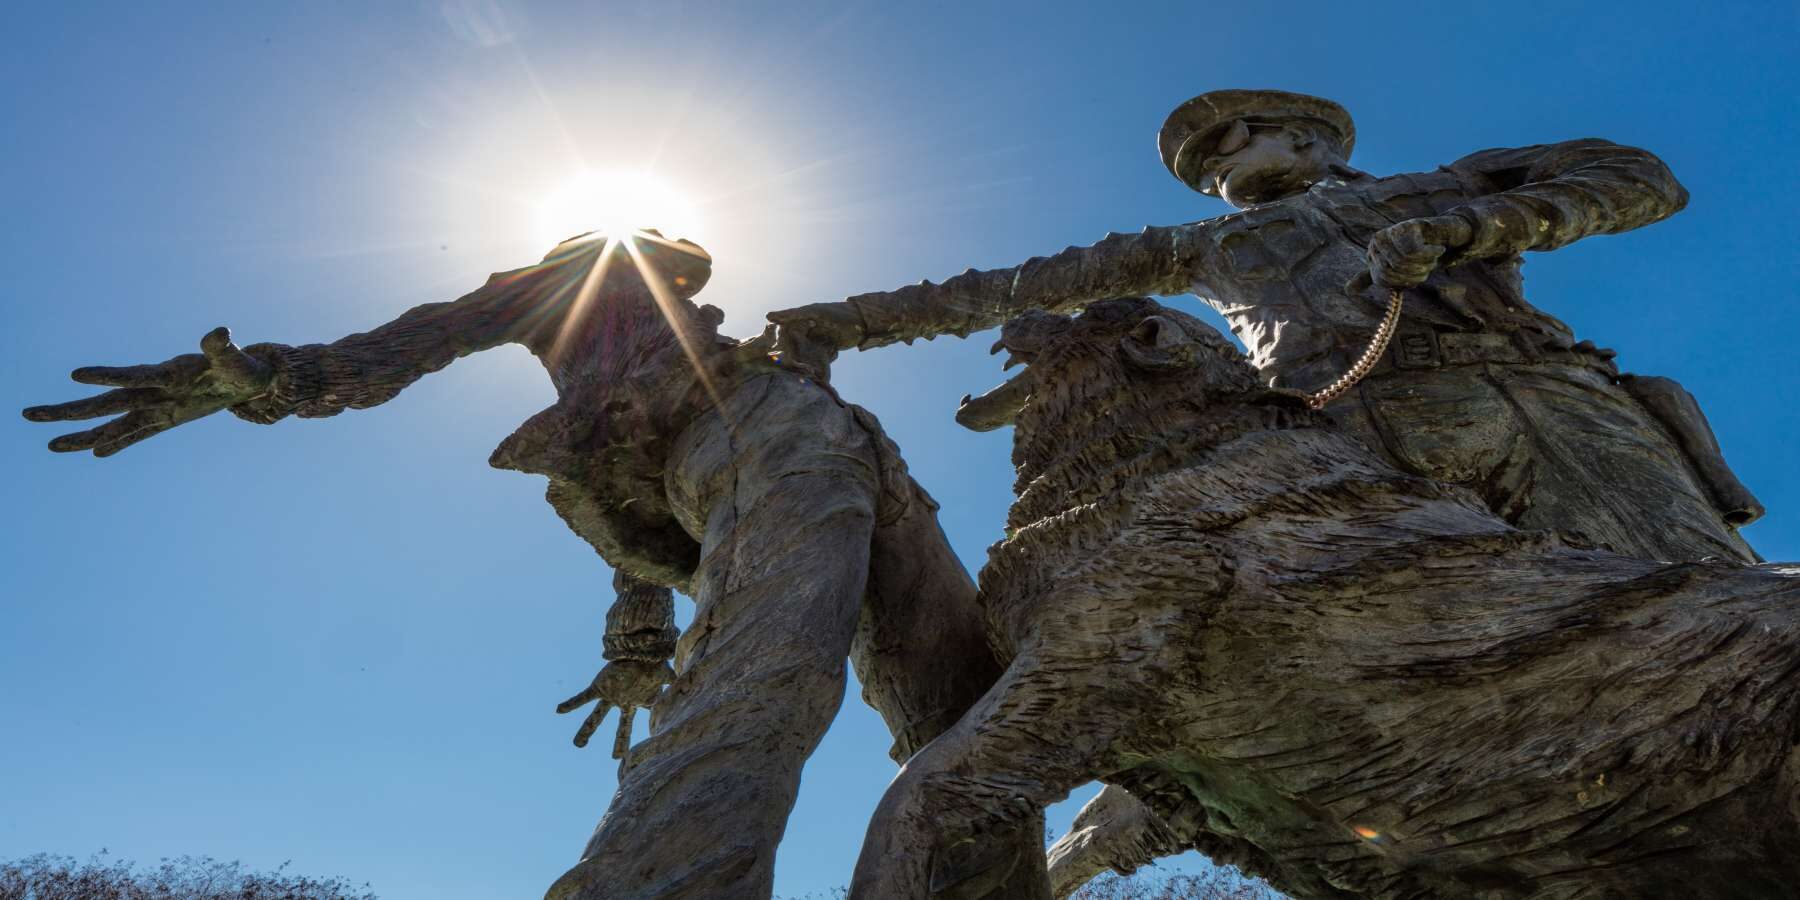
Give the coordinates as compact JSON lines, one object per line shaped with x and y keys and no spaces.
{"x":1257,"y":165}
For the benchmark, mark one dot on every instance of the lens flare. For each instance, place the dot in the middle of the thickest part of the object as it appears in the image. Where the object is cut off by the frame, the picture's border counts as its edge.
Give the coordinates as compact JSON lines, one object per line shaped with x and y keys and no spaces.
{"x":614,"y":203}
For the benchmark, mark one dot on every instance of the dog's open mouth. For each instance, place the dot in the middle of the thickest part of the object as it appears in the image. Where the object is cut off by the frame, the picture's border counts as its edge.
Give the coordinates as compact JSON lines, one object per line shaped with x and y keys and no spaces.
{"x":1023,"y":339}
{"x":1002,"y":404}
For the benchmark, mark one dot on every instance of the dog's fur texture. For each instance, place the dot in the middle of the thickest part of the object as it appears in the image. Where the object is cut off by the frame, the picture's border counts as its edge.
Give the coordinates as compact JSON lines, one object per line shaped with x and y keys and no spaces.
{"x":1351,"y":681}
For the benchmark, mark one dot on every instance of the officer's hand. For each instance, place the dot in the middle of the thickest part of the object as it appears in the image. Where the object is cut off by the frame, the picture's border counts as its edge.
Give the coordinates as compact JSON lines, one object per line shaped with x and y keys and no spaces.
{"x":626,"y":684}
{"x":1405,"y":254}
{"x":158,"y":397}
{"x":836,"y":325}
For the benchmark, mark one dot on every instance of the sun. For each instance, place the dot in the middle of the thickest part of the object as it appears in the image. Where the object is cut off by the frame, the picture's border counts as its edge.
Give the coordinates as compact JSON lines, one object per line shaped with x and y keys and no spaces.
{"x":616,"y":203}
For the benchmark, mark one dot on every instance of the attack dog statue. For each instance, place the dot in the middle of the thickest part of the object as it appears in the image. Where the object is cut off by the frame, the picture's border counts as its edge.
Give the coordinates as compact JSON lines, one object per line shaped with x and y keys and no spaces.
{"x":1349,"y":680}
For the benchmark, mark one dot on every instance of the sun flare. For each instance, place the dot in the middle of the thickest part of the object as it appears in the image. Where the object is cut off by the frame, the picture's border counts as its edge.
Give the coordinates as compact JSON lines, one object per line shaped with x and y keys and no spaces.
{"x":616,"y":203}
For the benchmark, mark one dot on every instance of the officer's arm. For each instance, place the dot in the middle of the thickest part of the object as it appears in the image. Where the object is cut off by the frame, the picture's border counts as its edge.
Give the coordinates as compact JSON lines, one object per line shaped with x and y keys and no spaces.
{"x":1547,"y":196}
{"x":1153,"y":261}
{"x":368,"y":369}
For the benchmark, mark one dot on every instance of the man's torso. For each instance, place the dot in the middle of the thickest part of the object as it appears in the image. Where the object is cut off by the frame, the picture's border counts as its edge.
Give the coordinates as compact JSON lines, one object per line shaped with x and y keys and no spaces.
{"x":1277,"y":272}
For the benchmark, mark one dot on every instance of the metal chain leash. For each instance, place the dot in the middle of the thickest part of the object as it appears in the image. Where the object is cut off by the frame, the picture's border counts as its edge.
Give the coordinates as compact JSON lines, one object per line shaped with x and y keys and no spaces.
{"x":1372,"y":355}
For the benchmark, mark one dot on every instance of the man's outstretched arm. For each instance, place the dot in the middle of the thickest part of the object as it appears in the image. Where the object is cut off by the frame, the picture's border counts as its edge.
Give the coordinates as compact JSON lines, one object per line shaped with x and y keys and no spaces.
{"x":267,"y":382}
{"x":1153,"y":261}
{"x":371,"y":368}
{"x":1530,"y":198}
{"x":1552,"y":195}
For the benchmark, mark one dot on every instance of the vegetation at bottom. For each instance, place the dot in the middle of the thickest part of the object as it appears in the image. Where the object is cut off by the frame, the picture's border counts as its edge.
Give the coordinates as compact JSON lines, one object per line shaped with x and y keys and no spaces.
{"x":1214,"y":884}
{"x":48,"y":877}
{"x":1148,"y":884}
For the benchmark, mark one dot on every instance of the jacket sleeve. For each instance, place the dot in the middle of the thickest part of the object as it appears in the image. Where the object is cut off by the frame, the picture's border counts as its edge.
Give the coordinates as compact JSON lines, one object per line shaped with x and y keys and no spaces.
{"x":371,"y":368}
{"x":1149,"y":262}
{"x":641,"y":623}
{"x":1550,"y":195}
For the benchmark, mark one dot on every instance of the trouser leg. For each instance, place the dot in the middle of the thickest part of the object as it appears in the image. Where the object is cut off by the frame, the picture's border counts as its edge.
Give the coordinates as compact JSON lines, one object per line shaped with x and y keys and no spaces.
{"x":1616,"y":473}
{"x":1549,"y":447}
{"x":788,"y":486}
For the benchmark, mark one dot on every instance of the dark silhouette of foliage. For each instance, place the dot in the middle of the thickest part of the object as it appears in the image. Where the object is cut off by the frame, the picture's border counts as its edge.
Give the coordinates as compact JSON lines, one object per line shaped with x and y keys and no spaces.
{"x":48,"y":877}
{"x":1215,"y":884}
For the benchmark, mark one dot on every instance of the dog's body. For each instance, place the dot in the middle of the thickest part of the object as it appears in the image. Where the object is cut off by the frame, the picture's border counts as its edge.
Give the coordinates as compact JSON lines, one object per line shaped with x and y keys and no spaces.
{"x":1352,"y":681}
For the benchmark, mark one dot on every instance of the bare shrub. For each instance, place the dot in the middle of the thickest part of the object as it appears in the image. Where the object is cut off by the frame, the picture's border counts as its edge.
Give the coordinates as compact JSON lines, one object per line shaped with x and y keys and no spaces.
{"x":47,"y":877}
{"x":1215,"y":884}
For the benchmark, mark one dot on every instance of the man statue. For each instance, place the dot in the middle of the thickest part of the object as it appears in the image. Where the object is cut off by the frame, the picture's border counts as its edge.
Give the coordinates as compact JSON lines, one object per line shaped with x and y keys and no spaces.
{"x":686,"y":460}
{"x":1478,"y":387}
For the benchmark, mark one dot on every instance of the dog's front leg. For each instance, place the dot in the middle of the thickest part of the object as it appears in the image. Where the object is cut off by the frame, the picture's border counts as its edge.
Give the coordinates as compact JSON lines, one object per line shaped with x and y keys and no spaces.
{"x":1041,"y":731}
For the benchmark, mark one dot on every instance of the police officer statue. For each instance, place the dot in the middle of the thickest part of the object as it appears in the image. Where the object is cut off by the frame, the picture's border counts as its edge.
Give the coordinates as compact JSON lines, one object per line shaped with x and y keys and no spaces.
{"x":1478,"y":387}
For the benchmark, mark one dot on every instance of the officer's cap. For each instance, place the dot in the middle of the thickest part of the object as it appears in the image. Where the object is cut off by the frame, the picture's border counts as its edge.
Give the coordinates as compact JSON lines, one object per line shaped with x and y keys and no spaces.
{"x":1195,"y":128}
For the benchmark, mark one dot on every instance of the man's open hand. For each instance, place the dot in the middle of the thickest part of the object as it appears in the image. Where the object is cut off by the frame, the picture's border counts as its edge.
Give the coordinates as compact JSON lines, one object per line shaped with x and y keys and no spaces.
{"x":158,"y":397}
{"x":1405,"y":254}
{"x":626,"y":684}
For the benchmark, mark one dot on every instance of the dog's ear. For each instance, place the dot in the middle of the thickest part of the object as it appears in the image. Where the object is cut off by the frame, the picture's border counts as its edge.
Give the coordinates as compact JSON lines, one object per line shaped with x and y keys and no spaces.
{"x":1159,"y":344}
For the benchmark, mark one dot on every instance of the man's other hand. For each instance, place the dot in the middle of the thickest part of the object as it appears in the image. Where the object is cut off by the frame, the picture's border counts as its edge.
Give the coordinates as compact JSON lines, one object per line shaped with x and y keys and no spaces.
{"x":627,"y":684}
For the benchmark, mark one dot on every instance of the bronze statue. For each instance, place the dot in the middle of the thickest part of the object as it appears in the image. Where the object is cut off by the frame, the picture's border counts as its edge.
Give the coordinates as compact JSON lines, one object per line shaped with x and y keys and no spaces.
{"x":1468,"y":549}
{"x":1479,"y":387}
{"x":726,"y":469}
{"x":1353,"y":681}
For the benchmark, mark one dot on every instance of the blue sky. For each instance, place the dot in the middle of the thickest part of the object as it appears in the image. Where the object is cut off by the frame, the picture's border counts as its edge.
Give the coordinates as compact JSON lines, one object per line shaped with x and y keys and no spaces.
{"x":339,"y":642}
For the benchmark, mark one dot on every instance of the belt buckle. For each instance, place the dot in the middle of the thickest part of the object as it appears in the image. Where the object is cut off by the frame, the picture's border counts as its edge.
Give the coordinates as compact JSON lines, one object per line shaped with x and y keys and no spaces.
{"x":1483,"y":347}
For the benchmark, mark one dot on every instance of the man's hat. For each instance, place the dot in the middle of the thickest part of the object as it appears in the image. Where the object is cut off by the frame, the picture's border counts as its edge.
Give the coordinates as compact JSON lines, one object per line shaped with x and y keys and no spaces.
{"x":1194,"y":129}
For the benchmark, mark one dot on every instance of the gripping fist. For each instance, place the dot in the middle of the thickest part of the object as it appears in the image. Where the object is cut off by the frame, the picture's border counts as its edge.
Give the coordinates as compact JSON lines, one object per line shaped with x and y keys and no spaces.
{"x":836,"y":325}
{"x":1405,"y":254}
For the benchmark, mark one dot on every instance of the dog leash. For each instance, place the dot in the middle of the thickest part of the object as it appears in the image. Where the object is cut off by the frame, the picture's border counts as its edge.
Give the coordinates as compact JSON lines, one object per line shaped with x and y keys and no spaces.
{"x":1366,"y":364}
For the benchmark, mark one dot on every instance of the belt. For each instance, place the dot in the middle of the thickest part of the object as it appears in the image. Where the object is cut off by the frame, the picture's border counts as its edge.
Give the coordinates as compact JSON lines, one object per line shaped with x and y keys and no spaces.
{"x":1431,"y":350}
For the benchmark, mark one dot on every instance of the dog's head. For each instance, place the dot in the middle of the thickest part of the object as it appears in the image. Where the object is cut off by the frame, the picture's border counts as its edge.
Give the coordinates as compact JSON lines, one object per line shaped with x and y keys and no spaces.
{"x":1087,"y":358}
{"x":1126,"y":389}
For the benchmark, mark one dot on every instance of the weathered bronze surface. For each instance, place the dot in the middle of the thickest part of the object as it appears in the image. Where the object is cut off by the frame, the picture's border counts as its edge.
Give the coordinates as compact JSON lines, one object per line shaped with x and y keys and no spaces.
{"x":1482,"y":627}
{"x":1480,"y":388}
{"x":1348,"y":679}
{"x":687,"y":460}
